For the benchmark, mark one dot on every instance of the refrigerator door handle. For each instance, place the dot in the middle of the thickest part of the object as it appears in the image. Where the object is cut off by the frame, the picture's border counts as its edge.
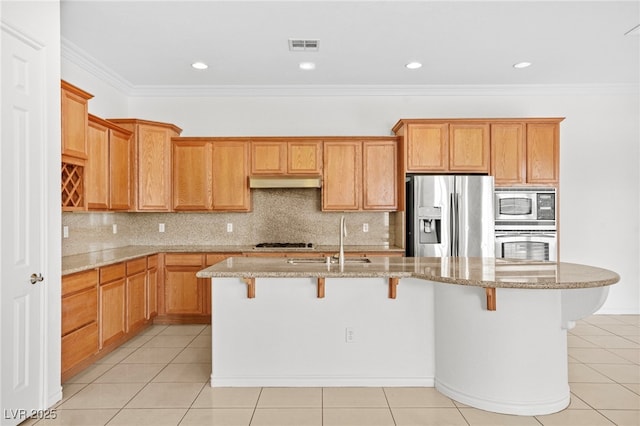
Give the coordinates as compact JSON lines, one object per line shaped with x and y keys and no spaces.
{"x":456,"y":224}
{"x":453,"y":225}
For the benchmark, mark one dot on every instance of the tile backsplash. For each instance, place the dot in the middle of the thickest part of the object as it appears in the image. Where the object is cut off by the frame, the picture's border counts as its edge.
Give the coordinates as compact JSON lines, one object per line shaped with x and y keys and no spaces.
{"x":279,"y":215}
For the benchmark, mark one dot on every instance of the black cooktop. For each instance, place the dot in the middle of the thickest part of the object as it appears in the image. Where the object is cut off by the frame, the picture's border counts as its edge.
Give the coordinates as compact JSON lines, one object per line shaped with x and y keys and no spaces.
{"x":285,"y":245}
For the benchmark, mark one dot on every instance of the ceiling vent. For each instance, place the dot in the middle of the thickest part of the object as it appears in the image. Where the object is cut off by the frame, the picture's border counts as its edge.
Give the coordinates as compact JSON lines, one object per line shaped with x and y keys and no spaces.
{"x":300,"y":45}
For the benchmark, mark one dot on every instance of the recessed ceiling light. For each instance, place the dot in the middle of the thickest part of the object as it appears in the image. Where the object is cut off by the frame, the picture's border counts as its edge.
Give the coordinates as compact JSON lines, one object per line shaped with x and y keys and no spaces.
{"x":521,"y":65}
{"x":200,"y":65}
{"x":413,"y":65}
{"x":307,"y":66}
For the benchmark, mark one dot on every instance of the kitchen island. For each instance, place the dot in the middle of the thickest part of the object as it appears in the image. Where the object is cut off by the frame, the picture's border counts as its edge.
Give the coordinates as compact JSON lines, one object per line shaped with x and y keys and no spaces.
{"x":490,"y":333}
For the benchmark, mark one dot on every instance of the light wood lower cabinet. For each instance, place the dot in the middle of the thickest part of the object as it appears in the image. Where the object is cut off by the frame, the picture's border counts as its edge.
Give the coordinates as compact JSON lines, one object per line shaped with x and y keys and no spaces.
{"x":104,"y":307}
{"x":183,"y":295}
{"x":79,"y":319}
{"x":152,"y":286}
{"x":184,"y":298}
{"x":136,"y":290}
{"x":113,"y":325}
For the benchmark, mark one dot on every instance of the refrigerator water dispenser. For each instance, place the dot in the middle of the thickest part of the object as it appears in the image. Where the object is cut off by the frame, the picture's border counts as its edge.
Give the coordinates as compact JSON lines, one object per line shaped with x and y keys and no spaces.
{"x":429,"y":222}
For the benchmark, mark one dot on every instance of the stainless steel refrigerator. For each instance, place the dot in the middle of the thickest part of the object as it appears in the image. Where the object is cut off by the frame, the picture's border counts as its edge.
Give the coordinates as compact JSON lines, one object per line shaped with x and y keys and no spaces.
{"x":450,"y":215}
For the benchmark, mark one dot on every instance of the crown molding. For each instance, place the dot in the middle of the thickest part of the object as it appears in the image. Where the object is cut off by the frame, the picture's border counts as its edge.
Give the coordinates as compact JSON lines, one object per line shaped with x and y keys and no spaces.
{"x":383,"y":90}
{"x":82,"y":59}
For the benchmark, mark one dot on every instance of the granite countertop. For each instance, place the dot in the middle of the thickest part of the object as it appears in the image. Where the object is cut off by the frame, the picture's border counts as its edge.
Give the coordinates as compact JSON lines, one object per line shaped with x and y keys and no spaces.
{"x":473,"y":271}
{"x":86,"y":261}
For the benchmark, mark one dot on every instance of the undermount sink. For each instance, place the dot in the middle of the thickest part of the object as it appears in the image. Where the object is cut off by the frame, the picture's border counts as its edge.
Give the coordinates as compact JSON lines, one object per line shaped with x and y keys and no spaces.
{"x":333,"y":260}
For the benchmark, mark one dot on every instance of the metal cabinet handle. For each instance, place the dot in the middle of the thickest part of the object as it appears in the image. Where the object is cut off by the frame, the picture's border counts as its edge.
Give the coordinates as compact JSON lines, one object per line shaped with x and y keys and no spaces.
{"x":35,"y":278}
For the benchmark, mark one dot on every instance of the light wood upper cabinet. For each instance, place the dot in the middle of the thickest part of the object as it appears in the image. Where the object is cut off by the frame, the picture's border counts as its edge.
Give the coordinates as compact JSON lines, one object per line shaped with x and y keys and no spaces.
{"x":525,"y":152}
{"x":469,"y":147}
{"x":445,"y":146}
{"x":230,"y":176}
{"x":427,"y":147}
{"x":360,"y":175}
{"x":109,"y":171}
{"x":379,"y":171}
{"x":192,"y":175}
{"x":74,"y":110}
{"x":508,"y":149}
{"x":543,"y":152}
{"x":152,"y":162}
{"x":516,"y":151}
{"x":211,"y":174}
{"x":273,"y":157}
{"x":268,"y":157}
{"x":304,"y":157}
{"x":342,"y":175}
{"x":97,"y":167}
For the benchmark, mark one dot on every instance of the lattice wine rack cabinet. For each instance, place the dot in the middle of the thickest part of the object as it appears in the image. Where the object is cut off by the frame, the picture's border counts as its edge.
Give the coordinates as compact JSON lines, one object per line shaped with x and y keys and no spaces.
{"x":72,"y":187}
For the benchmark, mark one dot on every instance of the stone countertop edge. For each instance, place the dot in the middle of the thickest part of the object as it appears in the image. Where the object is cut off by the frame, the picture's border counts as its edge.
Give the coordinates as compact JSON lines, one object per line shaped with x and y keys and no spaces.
{"x":558,"y":275}
{"x":86,"y":261}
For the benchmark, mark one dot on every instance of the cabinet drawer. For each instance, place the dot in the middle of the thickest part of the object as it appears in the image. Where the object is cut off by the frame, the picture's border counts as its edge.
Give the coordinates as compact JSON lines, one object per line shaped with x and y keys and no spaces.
{"x":112,"y":272}
{"x":152,"y":261}
{"x":183,"y":260}
{"x":79,"y":345}
{"x":81,"y":280}
{"x":79,"y":310}
{"x":136,"y":266}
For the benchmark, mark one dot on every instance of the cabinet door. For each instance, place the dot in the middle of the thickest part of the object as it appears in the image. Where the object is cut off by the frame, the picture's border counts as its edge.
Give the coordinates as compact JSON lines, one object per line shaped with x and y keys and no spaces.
{"x":427,"y":147}
{"x":183,"y":291}
{"x":152,"y":287}
{"x":112,"y":312}
{"x":469,"y":147}
{"x":342,"y":174}
{"x":230,"y":176}
{"x":136,"y":301}
{"x":120,"y":170}
{"x":97,"y":167}
{"x":508,"y":160}
{"x":268,"y":157}
{"x":543,"y":151}
{"x":192,"y":173}
{"x":379,"y":174}
{"x":74,"y":110}
{"x":154,"y":168}
{"x":304,"y":157}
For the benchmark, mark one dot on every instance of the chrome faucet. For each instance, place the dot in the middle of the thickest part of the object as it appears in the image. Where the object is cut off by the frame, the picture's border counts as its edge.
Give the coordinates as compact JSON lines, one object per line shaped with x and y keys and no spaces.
{"x":343,"y":233}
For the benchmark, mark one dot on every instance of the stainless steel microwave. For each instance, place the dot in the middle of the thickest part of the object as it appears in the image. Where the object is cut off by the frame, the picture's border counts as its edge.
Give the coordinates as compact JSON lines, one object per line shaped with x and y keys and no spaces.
{"x":523,"y":208}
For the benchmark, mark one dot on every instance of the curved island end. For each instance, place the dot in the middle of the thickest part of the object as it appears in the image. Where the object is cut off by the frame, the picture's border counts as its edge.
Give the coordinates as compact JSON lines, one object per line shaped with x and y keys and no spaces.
{"x":489,"y":333}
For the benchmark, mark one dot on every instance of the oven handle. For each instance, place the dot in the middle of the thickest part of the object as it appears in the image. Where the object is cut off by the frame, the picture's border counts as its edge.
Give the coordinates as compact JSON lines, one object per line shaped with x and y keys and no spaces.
{"x":524,"y":234}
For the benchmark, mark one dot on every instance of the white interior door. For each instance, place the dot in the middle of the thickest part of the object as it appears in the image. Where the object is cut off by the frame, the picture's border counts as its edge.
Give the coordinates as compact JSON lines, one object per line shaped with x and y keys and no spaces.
{"x":21,"y":226}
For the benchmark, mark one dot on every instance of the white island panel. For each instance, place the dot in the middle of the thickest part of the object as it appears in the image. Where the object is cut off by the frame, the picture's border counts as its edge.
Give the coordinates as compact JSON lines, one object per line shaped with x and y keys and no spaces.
{"x":287,"y":336}
{"x":512,"y":360}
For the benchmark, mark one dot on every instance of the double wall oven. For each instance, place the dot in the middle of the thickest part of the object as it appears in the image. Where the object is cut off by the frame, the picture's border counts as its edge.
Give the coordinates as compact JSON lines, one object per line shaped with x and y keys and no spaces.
{"x":525,"y":223}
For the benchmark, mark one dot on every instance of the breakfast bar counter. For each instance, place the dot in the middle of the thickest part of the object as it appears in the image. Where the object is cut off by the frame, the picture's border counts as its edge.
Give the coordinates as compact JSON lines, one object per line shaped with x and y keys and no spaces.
{"x":489,"y":333}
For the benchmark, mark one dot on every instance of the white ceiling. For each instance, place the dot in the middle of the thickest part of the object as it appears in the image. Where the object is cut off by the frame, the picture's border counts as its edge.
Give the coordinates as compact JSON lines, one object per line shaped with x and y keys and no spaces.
{"x":149,"y":45}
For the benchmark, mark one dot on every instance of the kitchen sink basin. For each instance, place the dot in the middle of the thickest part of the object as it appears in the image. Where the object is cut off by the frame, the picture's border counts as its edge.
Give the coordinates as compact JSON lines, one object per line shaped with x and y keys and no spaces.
{"x":333,"y":260}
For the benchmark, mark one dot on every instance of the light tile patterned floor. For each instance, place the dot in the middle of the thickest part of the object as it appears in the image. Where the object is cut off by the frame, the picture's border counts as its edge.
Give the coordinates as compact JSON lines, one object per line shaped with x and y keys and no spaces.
{"x":161,"y":378}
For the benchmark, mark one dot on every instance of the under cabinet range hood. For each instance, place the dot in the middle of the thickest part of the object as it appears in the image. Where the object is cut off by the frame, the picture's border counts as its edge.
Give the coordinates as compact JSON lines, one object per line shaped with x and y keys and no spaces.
{"x":285,"y":182}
